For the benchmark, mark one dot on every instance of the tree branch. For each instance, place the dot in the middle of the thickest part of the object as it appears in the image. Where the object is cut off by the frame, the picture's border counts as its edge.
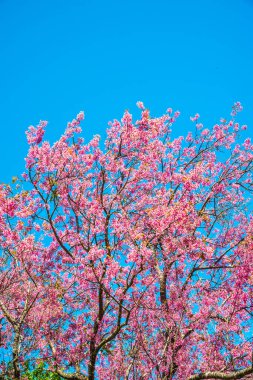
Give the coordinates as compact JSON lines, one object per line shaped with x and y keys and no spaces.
{"x":219,"y":375}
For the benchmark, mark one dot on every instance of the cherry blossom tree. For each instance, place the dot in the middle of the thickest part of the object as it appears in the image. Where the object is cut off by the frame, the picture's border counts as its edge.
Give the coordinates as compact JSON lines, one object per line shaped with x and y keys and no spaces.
{"x":133,"y":261}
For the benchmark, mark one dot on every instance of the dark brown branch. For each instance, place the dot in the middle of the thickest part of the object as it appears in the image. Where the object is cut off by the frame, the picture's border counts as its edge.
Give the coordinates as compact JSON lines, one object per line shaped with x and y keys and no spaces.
{"x":226,"y":376}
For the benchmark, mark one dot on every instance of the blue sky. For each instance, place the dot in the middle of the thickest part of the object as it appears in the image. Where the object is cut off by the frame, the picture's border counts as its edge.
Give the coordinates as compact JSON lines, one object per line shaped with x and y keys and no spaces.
{"x":59,"y":57}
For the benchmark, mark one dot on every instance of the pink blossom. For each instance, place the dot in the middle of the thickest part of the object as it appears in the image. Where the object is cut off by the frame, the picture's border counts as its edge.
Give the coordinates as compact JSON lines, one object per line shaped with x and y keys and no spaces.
{"x":140,"y":105}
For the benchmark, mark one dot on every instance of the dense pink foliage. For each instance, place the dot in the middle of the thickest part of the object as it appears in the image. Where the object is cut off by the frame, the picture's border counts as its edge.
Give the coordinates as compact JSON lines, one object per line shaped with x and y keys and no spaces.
{"x":132,"y":262}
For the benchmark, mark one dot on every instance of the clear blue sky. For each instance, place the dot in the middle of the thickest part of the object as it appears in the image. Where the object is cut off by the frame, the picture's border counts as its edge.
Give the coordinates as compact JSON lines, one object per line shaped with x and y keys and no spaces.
{"x":59,"y":57}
